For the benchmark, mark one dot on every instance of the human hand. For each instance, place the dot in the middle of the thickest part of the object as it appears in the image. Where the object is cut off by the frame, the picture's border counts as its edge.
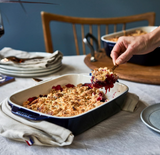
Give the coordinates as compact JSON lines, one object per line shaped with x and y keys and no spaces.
{"x":126,"y":47}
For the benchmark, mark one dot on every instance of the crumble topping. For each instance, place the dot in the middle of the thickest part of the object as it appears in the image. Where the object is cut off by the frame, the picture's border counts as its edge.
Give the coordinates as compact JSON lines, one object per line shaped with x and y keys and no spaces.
{"x":103,"y":77}
{"x":68,"y":100}
{"x":100,"y":73}
{"x":134,"y":33}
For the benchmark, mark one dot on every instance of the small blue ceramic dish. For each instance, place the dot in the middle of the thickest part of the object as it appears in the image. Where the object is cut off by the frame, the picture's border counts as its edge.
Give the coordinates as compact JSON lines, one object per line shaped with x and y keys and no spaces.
{"x":150,"y":59}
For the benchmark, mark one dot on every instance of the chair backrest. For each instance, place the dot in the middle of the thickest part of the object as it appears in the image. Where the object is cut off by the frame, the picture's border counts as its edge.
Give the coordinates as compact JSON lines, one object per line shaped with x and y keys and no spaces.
{"x":48,"y":17}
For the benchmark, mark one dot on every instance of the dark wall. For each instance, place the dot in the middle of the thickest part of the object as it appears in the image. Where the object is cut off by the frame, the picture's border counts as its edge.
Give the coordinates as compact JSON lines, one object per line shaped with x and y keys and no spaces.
{"x":23,"y":31}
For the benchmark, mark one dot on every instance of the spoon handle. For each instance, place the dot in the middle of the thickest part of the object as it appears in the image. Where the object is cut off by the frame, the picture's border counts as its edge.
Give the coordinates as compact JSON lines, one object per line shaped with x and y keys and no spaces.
{"x":114,"y":67}
{"x":37,"y":80}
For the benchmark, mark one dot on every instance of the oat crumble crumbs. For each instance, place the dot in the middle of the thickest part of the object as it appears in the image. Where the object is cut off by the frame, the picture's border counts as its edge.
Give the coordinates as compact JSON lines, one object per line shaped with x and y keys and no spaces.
{"x":68,"y":100}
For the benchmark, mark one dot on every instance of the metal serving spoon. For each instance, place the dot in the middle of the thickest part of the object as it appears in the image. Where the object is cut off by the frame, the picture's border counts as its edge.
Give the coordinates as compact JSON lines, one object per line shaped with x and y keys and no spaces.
{"x":114,"y":67}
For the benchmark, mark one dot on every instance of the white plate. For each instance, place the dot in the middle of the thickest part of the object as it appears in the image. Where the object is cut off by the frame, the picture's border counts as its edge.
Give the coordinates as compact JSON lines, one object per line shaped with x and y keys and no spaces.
{"x":23,"y":71}
{"x":150,"y":116}
{"x":9,"y":67}
{"x":31,"y":74}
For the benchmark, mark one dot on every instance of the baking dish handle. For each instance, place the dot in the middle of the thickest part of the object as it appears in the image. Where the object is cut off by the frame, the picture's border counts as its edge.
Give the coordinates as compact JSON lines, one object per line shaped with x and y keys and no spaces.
{"x":27,"y":114}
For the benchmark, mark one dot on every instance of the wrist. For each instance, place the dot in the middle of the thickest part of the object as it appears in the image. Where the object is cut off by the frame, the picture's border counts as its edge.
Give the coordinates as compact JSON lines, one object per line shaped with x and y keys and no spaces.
{"x":153,"y":38}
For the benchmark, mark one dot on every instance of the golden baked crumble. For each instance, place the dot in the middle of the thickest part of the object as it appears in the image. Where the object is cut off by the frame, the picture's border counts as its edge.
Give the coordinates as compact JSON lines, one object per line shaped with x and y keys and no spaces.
{"x":103,"y":77}
{"x":134,"y":33}
{"x":68,"y":100}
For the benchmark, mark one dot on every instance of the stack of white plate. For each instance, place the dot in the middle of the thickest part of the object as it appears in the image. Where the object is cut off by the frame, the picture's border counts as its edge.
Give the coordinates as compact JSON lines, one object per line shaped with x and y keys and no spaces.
{"x":31,"y":72}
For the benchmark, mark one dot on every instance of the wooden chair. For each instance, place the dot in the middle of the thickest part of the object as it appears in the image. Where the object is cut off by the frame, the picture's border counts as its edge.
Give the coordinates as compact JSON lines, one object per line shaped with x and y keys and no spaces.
{"x":48,"y":17}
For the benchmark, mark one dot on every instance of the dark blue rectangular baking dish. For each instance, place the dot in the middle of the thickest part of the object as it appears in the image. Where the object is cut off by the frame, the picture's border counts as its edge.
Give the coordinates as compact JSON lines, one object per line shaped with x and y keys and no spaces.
{"x":76,"y":124}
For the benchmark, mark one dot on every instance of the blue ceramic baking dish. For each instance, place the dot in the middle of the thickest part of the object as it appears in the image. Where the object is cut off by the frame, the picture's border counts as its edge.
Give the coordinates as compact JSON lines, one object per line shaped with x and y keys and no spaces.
{"x":77,"y":124}
{"x":150,"y":59}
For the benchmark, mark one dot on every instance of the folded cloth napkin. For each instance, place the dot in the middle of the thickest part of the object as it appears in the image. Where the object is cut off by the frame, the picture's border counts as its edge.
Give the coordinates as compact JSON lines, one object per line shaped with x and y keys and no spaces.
{"x":47,"y":61}
{"x":32,"y":132}
{"x":130,"y":103}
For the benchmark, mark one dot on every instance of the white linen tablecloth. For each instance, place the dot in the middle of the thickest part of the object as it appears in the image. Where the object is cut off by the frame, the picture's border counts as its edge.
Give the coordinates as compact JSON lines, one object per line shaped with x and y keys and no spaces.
{"x":123,"y":133}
